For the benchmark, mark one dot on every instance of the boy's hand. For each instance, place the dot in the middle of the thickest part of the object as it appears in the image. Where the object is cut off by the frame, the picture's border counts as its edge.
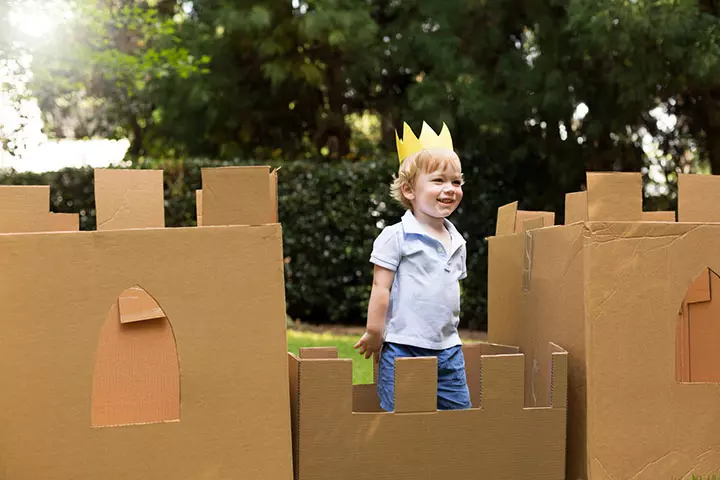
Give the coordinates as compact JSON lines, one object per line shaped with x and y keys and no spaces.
{"x":369,"y":344}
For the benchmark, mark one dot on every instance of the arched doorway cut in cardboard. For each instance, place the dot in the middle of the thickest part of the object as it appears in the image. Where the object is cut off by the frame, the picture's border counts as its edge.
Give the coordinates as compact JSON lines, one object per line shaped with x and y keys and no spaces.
{"x":698,"y":331}
{"x":137,"y":374}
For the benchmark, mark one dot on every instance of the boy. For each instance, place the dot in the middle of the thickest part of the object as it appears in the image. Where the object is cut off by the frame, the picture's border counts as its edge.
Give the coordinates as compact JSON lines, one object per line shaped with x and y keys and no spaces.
{"x":415,"y":299}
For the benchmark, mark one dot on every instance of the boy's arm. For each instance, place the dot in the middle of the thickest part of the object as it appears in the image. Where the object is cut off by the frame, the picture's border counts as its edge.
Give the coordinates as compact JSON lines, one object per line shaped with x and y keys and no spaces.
{"x":372,"y":339}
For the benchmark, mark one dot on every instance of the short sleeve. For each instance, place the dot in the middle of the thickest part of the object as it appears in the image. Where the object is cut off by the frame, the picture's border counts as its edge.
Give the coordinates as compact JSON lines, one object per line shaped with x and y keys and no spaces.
{"x":387,"y":248}
{"x":463,"y":256}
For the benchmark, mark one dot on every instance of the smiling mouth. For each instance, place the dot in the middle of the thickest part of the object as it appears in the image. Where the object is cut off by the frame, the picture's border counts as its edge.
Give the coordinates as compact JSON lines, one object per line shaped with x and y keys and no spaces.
{"x":446,"y":201}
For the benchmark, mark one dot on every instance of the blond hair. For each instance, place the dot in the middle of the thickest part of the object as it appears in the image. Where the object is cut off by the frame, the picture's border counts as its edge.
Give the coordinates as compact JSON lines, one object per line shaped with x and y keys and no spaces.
{"x":424,"y":161}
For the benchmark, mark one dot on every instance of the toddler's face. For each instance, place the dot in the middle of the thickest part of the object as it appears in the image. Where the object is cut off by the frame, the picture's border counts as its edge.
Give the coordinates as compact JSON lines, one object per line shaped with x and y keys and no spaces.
{"x":437,"y":194}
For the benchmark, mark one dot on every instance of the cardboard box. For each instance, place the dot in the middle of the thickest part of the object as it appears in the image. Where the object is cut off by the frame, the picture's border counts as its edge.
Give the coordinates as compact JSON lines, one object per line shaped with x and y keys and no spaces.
{"x":339,"y":430}
{"x":149,"y":353}
{"x":631,"y":302}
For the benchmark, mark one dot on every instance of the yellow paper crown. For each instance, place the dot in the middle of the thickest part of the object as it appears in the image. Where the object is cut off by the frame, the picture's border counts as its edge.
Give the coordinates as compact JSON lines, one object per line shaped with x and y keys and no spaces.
{"x":428,"y":139}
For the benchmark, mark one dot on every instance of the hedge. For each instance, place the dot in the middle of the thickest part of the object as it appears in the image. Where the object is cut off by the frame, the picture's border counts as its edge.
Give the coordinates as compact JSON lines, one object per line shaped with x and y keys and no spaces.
{"x":330,"y":215}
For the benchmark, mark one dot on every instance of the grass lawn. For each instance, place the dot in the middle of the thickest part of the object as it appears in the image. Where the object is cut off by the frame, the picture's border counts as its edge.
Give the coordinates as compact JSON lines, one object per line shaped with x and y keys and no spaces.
{"x":362,"y":369}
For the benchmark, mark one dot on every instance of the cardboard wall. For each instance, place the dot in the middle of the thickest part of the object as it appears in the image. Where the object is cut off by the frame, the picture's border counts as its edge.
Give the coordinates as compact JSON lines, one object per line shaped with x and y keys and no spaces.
{"x":216,"y":287}
{"x":127,"y":199}
{"x":642,"y":423}
{"x":542,"y":286}
{"x":238,"y":196}
{"x":502,"y":439}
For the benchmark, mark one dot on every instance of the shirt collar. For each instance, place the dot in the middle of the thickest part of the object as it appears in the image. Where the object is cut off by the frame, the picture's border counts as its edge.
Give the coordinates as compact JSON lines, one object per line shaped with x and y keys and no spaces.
{"x":411,"y":225}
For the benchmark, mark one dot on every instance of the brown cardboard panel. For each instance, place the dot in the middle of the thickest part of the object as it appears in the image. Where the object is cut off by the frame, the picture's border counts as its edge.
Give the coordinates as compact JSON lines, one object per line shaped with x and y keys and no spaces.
{"x":294,"y":383}
{"x":503,"y":382}
{"x":473,"y":353}
{"x":558,"y":388}
{"x":136,"y":305}
{"x":273,"y":194}
{"x":699,"y":290}
{"x":531,"y":224}
{"x":698,"y":197}
{"x":537,"y":219}
{"x":319,"y":352}
{"x":614,"y":196}
{"x":642,"y":423}
{"x":416,"y":384}
{"x":668,"y":216}
{"x":63,"y":222}
{"x":237,"y":196}
{"x":126,"y":199}
{"x":704,"y":336}
{"x":198,"y":207}
{"x":334,"y":440}
{"x":575,"y":207}
{"x":137,"y":377}
{"x":549,"y":309}
{"x":222,"y":289}
{"x":365,"y":398}
{"x":506,"y":219}
{"x":24,"y":208}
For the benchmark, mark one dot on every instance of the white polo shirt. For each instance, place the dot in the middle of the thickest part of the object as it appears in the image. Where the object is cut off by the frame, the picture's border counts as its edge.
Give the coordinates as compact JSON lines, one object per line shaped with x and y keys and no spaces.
{"x":424,"y":308}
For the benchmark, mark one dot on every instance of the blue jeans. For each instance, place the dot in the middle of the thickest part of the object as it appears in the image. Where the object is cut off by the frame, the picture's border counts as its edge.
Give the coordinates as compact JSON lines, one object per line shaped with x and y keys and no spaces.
{"x":452,"y":392}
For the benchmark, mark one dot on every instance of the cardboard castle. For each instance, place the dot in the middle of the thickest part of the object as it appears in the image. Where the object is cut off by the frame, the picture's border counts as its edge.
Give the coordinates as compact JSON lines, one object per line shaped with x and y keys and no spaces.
{"x":139,"y":351}
{"x":629,"y":294}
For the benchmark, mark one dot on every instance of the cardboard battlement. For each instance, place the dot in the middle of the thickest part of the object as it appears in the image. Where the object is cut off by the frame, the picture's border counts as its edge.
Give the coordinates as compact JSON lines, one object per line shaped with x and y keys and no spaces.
{"x":629,"y":295}
{"x":339,"y":427}
{"x":141,"y":351}
{"x":26,"y":209}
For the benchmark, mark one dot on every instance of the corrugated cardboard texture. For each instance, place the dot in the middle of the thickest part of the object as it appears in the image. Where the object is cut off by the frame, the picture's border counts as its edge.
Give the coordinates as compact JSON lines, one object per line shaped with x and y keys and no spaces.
{"x":524,"y":218}
{"x":614,"y":196}
{"x":698,"y":198}
{"x":642,"y":424}
{"x":702,"y":330}
{"x":198,"y":207}
{"x":502,"y":440}
{"x":575,"y":207}
{"x":136,"y":377}
{"x":416,"y":384}
{"x":668,"y":216}
{"x":126,"y":199}
{"x":222,"y":289}
{"x":548,"y":307}
{"x":136,"y":305}
{"x":25,"y":209}
{"x":238,"y":196}
{"x":505,"y":224}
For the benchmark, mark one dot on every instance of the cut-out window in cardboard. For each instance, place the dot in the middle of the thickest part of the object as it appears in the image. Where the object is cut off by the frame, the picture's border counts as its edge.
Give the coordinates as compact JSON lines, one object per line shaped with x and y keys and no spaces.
{"x":137,"y":376}
{"x":698,"y":331}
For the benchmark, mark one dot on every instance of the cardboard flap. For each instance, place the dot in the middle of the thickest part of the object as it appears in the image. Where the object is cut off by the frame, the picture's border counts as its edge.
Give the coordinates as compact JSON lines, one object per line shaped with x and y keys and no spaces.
{"x":699,"y":290}
{"x":558,"y":377}
{"x":63,"y":222}
{"x":533,"y":219}
{"x":25,"y":209}
{"x":137,"y":375}
{"x":473,"y":353}
{"x":415,"y":384}
{"x":503,"y":382}
{"x":668,"y":216}
{"x":576,"y":207}
{"x":274,"y":194}
{"x":532,"y":224}
{"x":365,"y":398}
{"x":614,"y":196}
{"x":238,"y":196}
{"x":506,"y":219}
{"x":198,"y":207}
{"x":136,"y":305}
{"x":327,"y":389}
{"x":698,"y":198}
{"x":126,"y":199}
{"x":318,"y":352}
